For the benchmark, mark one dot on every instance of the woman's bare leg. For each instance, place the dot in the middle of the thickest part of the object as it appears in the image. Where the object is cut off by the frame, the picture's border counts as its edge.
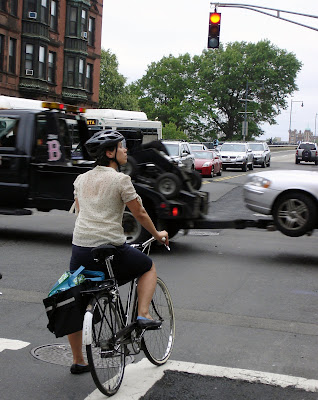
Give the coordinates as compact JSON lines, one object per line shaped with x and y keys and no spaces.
{"x":145,"y":289}
{"x":75,"y":340}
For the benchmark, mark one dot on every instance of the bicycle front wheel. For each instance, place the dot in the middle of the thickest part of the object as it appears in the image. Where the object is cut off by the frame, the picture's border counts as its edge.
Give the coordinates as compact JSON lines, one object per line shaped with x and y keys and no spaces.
{"x":157,"y":344}
{"x":106,"y":355}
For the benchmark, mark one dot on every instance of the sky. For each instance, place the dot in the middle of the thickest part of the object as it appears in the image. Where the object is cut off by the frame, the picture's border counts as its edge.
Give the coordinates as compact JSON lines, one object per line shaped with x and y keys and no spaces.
{"x":142,"y":31}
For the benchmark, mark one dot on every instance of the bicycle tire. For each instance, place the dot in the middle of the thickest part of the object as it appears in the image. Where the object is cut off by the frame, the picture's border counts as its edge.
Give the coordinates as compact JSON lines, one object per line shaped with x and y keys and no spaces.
{"x":105,"y":357}
{"x":158,"y":344}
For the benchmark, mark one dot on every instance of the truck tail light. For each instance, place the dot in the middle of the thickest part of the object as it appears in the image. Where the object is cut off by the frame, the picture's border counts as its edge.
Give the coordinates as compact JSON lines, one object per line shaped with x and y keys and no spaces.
{"x":296,"y":152}
{"x":175,"y":211}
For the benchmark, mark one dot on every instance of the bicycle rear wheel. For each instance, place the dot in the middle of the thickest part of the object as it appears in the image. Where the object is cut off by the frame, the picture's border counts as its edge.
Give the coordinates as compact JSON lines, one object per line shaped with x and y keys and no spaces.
{"x":105,"y":355}
{"x":157,"y":344}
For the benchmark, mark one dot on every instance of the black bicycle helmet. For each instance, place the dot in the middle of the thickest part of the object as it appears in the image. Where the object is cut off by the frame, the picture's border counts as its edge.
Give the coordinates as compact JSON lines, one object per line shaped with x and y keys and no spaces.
{"x":100,"y":141}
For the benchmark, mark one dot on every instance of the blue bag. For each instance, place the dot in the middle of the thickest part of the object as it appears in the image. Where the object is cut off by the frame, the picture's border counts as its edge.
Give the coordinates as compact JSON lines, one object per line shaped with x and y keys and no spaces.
{"x":74,"y":278}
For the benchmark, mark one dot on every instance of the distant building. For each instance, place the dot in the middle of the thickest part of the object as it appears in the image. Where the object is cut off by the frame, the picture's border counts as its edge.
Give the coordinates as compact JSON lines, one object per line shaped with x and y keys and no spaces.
{"x":50,"y":49}
{"x":297,"y":136}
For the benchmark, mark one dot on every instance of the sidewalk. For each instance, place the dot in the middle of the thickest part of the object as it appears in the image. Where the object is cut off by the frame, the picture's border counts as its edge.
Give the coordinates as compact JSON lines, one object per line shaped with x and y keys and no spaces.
{"x":189,"y":381}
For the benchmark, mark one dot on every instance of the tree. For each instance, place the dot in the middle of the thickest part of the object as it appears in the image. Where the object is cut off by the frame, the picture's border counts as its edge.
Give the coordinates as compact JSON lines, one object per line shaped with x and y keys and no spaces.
{"x":113,"y":92}
{"x":165,"y":90}
{"x":171,"y":132}
{"x":205,"y":95}
{"x":222,"y":81}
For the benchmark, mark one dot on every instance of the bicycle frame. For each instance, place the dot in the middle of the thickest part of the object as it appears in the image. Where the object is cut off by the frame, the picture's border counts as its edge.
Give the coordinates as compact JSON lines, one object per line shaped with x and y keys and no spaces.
{"x":129,"y":314}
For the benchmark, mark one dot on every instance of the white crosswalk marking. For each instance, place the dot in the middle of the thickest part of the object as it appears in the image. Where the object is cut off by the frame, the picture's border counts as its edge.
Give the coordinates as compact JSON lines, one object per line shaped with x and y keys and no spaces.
{"x":140,"y":377}
{"x":8,"y":344}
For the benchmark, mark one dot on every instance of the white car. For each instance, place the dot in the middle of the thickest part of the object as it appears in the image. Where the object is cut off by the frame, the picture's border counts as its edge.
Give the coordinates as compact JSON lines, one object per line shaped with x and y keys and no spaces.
{"x":236,"y":155}
{"x":291,"y":197}
{"x":261,"y":154}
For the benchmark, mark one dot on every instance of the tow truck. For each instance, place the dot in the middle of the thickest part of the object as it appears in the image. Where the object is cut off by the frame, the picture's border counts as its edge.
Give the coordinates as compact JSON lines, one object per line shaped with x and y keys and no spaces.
{"x":42,"y":152}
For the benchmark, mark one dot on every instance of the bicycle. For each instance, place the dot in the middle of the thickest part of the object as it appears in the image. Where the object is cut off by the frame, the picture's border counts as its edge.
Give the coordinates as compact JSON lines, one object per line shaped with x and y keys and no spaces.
{"x":109,"y":327}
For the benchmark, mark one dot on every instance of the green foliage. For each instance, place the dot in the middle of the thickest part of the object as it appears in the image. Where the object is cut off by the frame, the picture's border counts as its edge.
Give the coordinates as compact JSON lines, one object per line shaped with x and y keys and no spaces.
{"x":113,"y":92}
{"x":171,"y":132}
{"x":205,"y":94}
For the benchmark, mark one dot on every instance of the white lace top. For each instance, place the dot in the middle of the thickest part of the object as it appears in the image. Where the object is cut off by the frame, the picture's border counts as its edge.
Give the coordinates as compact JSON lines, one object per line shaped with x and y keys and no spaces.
{"x":102,"y":194}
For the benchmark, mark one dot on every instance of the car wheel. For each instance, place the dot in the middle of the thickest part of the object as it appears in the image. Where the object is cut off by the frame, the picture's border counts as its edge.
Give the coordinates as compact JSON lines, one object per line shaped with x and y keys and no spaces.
{"x":251,"y":167}
{"x":220,"y":172}
{"x":295,"y":213}
{"x":212,"y":172}
{"x":244,"y":168}
{"x":263,"y":165}
{"x":224,"y":168}
{"x":168,"y":184}
{"x":297,"y":161}
{"x":269,"y":162}
{"x":306,"y":155}
{"x":316,"y":162}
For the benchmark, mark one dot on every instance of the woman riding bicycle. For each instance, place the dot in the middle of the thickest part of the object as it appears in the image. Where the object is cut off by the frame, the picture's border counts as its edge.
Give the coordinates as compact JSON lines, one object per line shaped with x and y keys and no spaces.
{"x":101,"y":196}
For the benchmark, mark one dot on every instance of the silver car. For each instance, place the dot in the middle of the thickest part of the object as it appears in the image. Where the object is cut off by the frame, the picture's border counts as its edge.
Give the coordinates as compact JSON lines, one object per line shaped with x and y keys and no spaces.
{"x":307,"y":152}
{"x":291,"y":197}
{"x":261,"y":154}
{"x":236,"y":155}
{"x":180,"y":153}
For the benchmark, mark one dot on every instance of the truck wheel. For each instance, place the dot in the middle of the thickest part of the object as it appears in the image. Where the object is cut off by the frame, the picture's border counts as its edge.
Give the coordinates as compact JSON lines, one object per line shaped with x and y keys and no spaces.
{"x":130,"y":168}
{"x":196,"y":180}
{"x":168,"y":184}
{"x":133,"y":231}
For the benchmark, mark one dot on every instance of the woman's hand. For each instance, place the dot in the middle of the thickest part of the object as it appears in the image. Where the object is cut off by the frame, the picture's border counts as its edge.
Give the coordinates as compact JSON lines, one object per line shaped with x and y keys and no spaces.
{"x":162,"y":234}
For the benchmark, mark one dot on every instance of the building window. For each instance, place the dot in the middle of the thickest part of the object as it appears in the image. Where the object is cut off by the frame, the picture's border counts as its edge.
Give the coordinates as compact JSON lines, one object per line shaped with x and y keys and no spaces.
{"x":29,"y":49}
{"x":12,"y":55}
{"x":42,"y":62}
{"x":1,"y":51}
{"x":81,"y":73}
{"x":30,"y":5}
{"x":84,"y":23}
{"x":3,"y":5}
{"x":73,"y":21}
{"x":89,"y":78}
{"x":51,"y":67}
{"x":71,"y":71}
{"x":53,"y":16}
{"x":14,"y":7}
{"x":44,"y":11}
{"x":91,"y":31}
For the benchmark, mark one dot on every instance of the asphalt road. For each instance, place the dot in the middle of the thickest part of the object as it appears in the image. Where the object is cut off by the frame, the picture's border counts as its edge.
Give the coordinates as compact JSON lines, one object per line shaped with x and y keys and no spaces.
{"x":244,"y":299}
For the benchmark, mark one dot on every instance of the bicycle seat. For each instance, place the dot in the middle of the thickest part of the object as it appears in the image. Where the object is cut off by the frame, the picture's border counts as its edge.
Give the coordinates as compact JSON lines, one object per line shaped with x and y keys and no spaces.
{"x":103,"y":251}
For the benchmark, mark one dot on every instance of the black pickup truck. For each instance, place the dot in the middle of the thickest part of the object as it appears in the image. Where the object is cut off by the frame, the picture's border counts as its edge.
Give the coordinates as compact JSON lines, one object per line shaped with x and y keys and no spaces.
{"x":41,"y":154}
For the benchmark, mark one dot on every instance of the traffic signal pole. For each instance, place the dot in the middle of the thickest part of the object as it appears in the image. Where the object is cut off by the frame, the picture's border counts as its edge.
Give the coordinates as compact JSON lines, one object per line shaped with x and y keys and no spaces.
{"x":261,"y":9}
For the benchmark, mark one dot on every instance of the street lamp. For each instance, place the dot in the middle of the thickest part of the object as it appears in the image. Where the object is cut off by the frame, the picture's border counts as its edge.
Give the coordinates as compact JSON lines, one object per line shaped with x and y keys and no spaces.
{"x":245,"y":131}
{"x":291,"y":109}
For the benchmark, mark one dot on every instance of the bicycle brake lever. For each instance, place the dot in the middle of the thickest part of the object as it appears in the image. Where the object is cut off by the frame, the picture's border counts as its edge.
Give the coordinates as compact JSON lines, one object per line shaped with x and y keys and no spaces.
{"x":163,"y":240}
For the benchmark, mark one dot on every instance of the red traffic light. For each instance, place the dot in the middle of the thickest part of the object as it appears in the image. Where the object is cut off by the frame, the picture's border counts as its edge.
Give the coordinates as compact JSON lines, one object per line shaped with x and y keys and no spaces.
{"x":215,"y":18}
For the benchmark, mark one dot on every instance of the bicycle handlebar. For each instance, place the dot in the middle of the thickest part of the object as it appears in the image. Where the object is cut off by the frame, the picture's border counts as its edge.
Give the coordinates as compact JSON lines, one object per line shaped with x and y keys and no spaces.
{"x":152,"y":239}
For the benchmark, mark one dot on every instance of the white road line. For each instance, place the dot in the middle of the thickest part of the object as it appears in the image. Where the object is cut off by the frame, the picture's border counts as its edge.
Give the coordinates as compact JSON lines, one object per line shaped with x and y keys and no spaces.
{"x":140,"y":377}
{"x":8,"y":344}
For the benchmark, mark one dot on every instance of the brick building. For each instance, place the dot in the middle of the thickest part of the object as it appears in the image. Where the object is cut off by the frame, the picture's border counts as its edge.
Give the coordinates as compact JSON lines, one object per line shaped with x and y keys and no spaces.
{"x":50,"y":50}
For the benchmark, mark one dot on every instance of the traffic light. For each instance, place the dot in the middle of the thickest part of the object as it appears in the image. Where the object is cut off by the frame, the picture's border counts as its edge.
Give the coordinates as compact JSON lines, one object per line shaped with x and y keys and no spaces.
{"x":214,"y":30}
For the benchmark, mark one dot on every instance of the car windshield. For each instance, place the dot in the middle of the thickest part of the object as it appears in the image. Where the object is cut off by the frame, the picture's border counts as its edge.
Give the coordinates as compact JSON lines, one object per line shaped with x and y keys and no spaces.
{"x":307,"y":146}
{"x":196,"y":146}
{"x":235,"y":147}
{"x":203,"y":154}
{"x":173,"y":149}
{"x":256,"y":146}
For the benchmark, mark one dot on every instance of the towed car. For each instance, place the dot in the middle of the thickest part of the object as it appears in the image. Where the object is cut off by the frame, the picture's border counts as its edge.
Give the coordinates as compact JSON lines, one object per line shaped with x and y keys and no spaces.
{"x":291,"y":197}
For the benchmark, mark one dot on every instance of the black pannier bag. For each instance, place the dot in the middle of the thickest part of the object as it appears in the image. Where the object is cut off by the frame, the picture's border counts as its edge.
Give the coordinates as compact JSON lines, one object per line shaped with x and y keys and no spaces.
{"x":65,"y":310}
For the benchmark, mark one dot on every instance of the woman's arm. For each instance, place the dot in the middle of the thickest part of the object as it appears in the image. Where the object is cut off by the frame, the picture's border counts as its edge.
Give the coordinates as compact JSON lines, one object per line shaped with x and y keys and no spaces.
{"x":143,"y":218}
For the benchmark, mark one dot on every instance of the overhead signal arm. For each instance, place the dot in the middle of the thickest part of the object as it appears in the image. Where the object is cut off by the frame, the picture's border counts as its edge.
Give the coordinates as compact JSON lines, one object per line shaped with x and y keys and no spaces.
{"x":261,"y":9}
